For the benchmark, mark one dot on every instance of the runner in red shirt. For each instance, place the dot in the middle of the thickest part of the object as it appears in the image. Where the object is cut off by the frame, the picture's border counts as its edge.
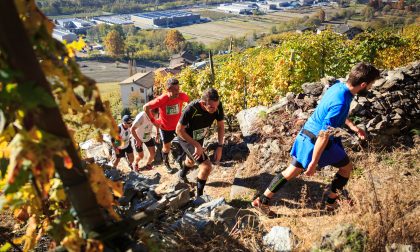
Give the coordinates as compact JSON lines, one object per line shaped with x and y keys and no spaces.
{"x":170,"y":108}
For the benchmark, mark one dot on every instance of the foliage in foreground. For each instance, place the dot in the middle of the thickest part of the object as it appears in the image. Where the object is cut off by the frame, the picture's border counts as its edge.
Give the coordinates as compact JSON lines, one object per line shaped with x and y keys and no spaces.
{"x":258,"y":76}
{"x":29,"y":181}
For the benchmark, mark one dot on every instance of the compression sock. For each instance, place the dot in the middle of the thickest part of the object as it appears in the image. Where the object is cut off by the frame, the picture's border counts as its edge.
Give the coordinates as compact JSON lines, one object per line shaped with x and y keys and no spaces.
{"x":165,"y":157}
{"x":338,"y":183}
{"x":200,"y":186}
{"x":278,"y":182}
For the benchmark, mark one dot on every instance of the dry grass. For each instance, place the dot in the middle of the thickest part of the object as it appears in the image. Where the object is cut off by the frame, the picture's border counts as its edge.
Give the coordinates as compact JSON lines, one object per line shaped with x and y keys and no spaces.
{"x":384,"y":203}
{"x":384,"y":193}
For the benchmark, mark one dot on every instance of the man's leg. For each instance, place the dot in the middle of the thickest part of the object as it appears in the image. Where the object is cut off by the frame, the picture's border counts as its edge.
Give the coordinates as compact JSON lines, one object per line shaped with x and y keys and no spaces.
{"x":139,"y":156}
{"x":118,"y":156}
{"x":203,"y":174}
{"x":185,"y":167}
{"x":167,"y":137}
{"x":276,"y":183}
{"x":130,"y":159}
{"x":152,"y":153}
{"x":116,"y":162}
{"x":340,"y":180}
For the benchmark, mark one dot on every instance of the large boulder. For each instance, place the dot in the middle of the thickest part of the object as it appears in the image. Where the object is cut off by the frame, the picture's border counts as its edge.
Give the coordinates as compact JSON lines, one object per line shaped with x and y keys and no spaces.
{"x":343,"y":238}
{"x":206,"y":208}
{"x":279,"y":239}
{"x":313,"y":88}
{"x":248,"y":118}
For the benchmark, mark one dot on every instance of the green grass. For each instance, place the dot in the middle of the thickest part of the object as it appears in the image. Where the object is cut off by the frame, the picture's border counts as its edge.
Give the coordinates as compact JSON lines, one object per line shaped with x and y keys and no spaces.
{"x":109,"y":88}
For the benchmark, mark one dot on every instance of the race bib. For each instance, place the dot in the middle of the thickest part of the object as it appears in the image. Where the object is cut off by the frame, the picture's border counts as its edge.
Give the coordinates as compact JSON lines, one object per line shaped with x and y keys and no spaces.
{"x":172,"y":109}
{"x":199,"y":134}
{"x":146,"y":135}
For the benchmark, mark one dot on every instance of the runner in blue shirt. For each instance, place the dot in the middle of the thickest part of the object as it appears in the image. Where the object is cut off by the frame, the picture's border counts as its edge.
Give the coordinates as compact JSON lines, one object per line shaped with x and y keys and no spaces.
{"x":314,"y":147}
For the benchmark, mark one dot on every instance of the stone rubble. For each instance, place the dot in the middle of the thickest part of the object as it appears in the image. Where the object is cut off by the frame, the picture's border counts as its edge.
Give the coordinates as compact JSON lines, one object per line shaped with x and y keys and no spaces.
{"x":388,"y":114}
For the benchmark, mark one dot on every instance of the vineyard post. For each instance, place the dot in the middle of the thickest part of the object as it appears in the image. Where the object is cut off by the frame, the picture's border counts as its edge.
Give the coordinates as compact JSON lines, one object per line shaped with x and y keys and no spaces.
{"x":292,"y":60}
{"x":245,"y":92}
{"x":21,"y":57}
{"x":211,"y":67}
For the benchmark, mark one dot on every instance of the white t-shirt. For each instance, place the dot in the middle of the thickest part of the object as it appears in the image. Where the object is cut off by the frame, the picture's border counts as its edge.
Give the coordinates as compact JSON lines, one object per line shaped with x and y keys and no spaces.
{"x":144,"y":127}
{"x":125,"y":137}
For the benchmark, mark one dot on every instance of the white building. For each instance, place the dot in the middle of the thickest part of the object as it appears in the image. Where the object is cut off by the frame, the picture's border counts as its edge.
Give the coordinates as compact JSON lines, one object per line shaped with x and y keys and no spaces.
{"x":112,"y":20}
{"x":62,"y":35}
{"x":75,"y":25}
{"x":137,"y":89}
{"x":280,"y":3}
{"x":306,"y":2}
{"x":262,"y":6}
{"x":238,"y":8}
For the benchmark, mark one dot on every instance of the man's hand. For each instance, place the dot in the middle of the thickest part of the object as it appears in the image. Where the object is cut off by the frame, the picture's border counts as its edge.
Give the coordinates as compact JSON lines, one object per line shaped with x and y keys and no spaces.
{"x":139,"y":143}
{"x":218,"y":154}
{"x":310,"y":171}
{"x":198,"y":151}
{"x":361,"y":133}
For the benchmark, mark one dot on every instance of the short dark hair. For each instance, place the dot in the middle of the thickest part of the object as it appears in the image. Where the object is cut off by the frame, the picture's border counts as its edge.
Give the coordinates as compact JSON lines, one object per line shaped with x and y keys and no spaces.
{"x":210,"y":94}
{"x":170,"y":82}
{"x":362,"y":72}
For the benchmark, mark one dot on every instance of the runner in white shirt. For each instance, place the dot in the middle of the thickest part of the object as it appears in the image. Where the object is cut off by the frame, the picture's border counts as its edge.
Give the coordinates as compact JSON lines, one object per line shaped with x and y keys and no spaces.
{"x":123,"y":147}
{"x":142,"y":132}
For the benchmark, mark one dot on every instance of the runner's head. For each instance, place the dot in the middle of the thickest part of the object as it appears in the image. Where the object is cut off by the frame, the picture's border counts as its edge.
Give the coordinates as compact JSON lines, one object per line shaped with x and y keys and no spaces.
{"x":362,"y":76}
{"x":127,"y":120}
{"x":172,"y":87}
{"x":210,"y":100}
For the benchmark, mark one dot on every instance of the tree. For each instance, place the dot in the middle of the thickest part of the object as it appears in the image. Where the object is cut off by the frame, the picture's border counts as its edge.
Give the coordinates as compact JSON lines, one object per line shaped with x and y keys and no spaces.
{"x":321,"y":15}
{"x":42,"y":173}
{"x":114,"y":44}
{"x":174,"y":41}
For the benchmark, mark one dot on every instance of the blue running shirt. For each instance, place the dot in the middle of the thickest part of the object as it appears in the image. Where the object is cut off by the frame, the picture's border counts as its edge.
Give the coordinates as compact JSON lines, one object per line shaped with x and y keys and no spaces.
{"x":332,"y":111}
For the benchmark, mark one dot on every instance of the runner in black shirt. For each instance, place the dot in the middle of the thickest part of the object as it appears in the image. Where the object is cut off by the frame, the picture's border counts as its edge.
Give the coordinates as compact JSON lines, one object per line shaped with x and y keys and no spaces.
{"x":195,"y":120}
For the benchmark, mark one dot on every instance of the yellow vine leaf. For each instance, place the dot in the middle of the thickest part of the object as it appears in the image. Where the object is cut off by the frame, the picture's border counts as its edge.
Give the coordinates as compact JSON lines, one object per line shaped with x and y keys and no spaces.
{"x":29,"y":238}
{"x":72,"y":242}
{"x":102,"y":190}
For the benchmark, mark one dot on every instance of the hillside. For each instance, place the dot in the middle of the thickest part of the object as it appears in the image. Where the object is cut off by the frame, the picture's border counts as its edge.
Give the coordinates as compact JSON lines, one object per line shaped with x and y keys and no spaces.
{"x":378,"y":207}
{"x":59,"y":193}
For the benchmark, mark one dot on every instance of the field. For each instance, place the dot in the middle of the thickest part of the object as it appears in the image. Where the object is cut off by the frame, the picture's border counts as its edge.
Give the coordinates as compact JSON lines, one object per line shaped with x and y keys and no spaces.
{"x":238,"y":25}
{"x":109,"y":88}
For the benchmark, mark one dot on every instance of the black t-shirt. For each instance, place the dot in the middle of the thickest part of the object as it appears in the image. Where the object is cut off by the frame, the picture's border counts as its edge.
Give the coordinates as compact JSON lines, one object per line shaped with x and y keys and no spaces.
{"x":197,"y":120}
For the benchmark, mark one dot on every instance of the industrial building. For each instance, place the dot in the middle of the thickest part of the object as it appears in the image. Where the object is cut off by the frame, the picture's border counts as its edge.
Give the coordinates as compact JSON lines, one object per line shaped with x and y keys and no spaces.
{"x":62,"y":35}
{"x":280,"y":3}
{"x":238,"y":8}
{"x":75,"y":25}
{"x":112,"y":20}
{"x":170,"y":18}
